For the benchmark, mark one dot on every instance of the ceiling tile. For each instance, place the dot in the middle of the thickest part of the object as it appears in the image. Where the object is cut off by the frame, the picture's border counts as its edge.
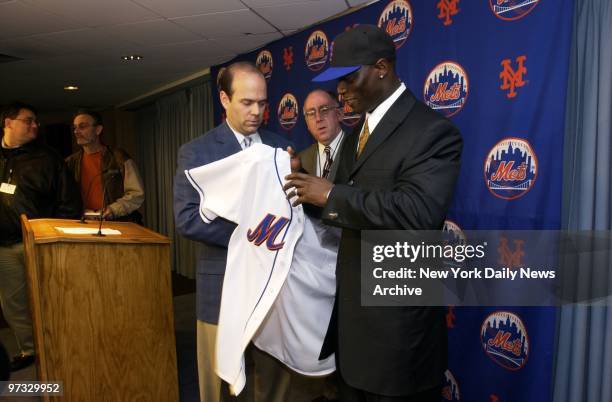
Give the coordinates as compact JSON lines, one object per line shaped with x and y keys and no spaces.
{"x":299,"y":15}
{"x":31,"y":48}
{"x":225,"y":24}
{"x":182,"y":8}
{"x":152,"y":33}
{"x":275,"y":3}
{"x":245,"y":43}
{"x":86,"y":40}
{"x":354,"y":3}
{"x":18,"y":19}
{"x":96,"y":13}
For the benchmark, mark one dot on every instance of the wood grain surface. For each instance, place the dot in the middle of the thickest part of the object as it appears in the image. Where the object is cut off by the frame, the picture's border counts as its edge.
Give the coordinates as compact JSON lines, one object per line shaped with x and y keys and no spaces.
{"x":104,"y":310}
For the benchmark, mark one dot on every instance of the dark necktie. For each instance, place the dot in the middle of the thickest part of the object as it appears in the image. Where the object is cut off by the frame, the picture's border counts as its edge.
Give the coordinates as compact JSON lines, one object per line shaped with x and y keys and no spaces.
{"x":328,"y":162}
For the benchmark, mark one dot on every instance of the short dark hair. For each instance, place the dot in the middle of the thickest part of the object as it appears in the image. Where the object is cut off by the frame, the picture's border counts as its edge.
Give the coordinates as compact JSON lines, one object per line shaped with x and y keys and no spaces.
{"x":225,"y":78}
{"x":97,"y":118}
{"x":12,"y":111}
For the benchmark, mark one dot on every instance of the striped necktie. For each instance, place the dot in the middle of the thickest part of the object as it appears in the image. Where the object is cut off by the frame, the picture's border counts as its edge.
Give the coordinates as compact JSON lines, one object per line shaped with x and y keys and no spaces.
{"x":247,"y":142}
{"x":328,"y":162}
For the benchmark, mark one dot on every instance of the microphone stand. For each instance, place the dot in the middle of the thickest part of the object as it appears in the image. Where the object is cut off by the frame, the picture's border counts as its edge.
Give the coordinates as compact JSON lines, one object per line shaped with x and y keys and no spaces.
{"x":100,"y":234}
{"x":103,"y":172}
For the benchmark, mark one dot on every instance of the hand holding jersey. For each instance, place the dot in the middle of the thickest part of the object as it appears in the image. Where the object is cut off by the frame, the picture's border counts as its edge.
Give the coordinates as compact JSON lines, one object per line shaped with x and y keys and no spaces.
{"x":279,"y":283}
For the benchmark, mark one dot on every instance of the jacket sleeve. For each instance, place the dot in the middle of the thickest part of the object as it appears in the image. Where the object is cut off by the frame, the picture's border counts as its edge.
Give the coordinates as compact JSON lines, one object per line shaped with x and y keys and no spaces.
{"x":68,"y":202}
{"x":187,"y":203}
{"x":417,"y":198}
{"x":133,"y":191}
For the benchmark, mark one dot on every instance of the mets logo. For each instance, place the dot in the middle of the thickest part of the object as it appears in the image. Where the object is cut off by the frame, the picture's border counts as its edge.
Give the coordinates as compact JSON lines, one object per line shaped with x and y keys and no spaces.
{"x":316,"y":52}
{"x":266,"y":115}
{"x":510,"y":10}
{"x":508,"y":257}
{"x":448,"y":8}
{"x":450,"y":317}
{"x":350,"y":117}
{"x":446,"y":88}
{"x":452,"y":235}
{"x":287,"y":111}
{"x":504,"y":339}
{"x":288,"y":57}
{"x":511,"y":168}
{"x":264,"y":63}
{"x":450,"y":389}
{"x":453,"y":232}
{"x":267,"y":231}
{"x":512,"y":78}
{"x":396,"y":20}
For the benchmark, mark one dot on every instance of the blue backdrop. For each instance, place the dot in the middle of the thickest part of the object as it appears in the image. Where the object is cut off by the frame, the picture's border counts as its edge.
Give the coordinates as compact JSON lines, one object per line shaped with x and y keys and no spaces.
{"x":498,"y":70}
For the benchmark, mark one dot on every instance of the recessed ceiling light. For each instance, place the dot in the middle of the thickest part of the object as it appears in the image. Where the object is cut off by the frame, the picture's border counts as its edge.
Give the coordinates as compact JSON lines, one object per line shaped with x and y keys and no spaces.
{"x":71,"y":88}
{"x":132,"y":57}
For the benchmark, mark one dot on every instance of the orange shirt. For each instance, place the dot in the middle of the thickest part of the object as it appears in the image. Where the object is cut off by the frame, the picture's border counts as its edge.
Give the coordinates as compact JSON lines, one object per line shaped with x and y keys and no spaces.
{"x":91,"y":180}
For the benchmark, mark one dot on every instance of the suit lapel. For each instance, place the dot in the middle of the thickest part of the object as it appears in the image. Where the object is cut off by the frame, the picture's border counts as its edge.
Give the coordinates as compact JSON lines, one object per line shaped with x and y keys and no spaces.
{"x":347,"y":155}
{"x":309,"y":161}
{"x":334,"y":167}
{"x":227,"y":141}
{"x":387,"y":125}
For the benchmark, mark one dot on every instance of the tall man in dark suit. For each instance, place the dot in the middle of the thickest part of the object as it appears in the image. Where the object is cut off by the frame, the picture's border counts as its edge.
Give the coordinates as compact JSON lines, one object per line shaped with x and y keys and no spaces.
{"x":323,"y":116}
{"x":243,"y":94}
{"x":397,"y":170}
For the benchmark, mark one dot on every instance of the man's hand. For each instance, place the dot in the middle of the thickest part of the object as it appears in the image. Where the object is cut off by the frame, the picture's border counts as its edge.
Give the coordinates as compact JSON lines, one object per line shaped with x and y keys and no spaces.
{"x":108,"y":214}
{"x":296,"y":164}
{"x":308,"y":189}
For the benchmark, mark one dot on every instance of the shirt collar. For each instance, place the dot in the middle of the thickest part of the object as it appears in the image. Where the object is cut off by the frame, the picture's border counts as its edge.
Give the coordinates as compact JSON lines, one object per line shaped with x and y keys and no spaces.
{"x":377,"y":114}
{"x":240,"y":137}
{"x":333,"y":145}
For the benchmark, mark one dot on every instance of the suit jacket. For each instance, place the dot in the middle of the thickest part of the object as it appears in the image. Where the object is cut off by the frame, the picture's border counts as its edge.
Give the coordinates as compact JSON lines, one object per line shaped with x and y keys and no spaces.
{"x":404,"y":179}
{"x":218,"y":143}
{"x":308,"y":159}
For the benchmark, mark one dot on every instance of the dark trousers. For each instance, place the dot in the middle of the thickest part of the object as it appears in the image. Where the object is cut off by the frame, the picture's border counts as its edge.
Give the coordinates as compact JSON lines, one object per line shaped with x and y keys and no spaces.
{"x":350,"y":394}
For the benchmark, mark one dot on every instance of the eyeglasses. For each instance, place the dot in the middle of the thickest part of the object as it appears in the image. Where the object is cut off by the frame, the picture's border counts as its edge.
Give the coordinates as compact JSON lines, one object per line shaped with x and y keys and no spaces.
{"x":29,"y":121}
{"x":82,"y":126}
{"x":323,"y":111}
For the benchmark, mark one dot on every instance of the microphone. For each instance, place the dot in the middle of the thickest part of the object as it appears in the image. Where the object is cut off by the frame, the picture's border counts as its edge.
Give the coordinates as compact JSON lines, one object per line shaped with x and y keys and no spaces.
{"x":109,"y":171}
{"x":103,"y":172}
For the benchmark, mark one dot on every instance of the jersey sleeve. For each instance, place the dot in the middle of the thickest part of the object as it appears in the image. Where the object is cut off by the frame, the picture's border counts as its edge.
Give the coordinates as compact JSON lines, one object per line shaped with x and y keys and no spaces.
{"x":218,"y":184}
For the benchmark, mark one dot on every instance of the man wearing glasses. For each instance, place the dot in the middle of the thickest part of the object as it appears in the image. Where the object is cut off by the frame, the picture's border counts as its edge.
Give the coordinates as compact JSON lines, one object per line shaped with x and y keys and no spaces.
{"x":323,"y":116}
{"x":108,"y":178}
{"x":35,"y":182}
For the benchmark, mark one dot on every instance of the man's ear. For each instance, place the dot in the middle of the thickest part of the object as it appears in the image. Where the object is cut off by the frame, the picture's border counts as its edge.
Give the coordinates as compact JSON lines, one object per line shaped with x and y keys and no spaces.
{"x":225,"y":99}
{"x":99,"y":129}
{"x":340,"y":112}
{"x":382,"y":67}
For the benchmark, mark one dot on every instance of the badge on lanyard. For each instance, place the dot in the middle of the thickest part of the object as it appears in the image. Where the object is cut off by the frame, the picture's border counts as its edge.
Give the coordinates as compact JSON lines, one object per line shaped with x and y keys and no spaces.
{"x":7,"y":188}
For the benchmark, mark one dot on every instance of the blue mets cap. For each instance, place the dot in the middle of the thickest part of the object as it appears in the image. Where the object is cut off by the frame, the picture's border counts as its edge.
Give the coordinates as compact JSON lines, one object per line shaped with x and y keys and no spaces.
{"x":363,"y":45}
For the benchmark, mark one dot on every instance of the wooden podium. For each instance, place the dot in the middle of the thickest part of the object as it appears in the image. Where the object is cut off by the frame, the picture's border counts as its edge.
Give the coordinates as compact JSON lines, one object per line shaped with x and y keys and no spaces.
{"x":102,"y":311}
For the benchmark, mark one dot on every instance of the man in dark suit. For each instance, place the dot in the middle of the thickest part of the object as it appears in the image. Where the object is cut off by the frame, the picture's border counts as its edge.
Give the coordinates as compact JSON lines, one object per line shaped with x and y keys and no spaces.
{"x":243,"y":94}
{"x":323,"y":116}
{"x":397,"y":170}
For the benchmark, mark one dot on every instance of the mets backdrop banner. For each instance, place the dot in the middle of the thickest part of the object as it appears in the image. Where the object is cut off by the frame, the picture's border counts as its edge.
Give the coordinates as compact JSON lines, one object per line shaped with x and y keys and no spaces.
{"x":498,"y":70}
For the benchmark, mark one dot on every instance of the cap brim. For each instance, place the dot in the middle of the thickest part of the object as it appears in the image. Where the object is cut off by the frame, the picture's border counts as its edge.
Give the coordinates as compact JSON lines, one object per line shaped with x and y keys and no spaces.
{"x":333,"y":73}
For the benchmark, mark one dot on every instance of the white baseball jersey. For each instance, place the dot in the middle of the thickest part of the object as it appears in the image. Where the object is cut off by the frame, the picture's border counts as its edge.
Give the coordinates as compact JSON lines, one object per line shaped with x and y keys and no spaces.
{"x":279,"y":284}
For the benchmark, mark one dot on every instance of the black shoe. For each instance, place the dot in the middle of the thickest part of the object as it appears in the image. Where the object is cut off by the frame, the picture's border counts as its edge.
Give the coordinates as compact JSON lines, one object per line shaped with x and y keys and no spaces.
{"x":22,"y":361}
